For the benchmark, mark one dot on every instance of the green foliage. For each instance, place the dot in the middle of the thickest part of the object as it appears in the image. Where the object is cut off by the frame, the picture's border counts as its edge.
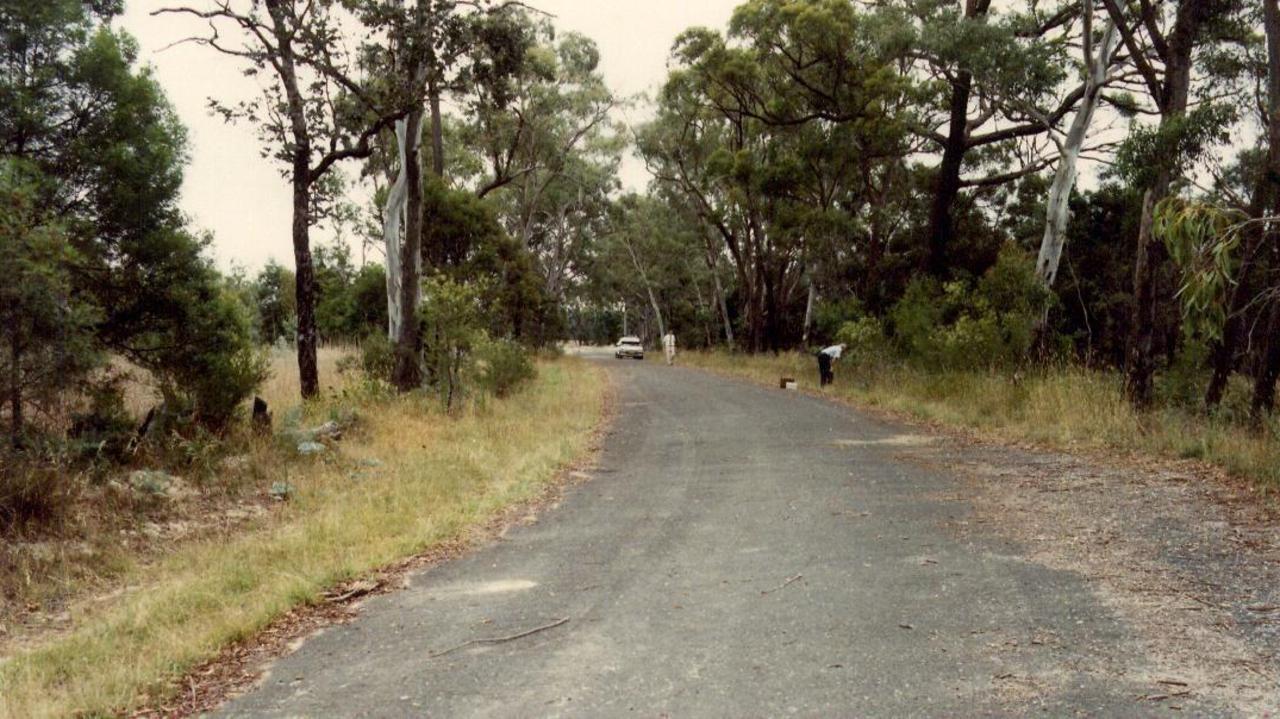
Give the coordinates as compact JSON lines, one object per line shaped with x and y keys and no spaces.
{"x":1174,"y":144}
{"x":864,"y":340}
{"x":1203,"y":241}
{"x":107,"y":151}
{"x":208,"y":364}
{"x":465,"y":241}
{"x":275,"y":297}
{"x":963,"y":325}
{"x":377,"y":356}
{"x":45,"y":330}
{"x":503,"y":366}
{"x":453,"y":324}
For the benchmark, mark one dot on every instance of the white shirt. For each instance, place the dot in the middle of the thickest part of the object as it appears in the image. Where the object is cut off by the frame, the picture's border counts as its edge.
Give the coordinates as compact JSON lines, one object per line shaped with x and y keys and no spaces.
{"x":669,"y":341}
{"x":833,"y":351}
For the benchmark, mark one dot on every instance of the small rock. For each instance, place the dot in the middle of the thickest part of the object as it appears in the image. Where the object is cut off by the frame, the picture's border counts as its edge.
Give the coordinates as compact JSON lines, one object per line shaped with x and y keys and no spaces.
{"x":370,"y":462}
{"x":281,"y":490}
{"x":328,"y":430}
{"x":306,"y":448}
{"x":156,"y":483}
{"x":236,"y":463}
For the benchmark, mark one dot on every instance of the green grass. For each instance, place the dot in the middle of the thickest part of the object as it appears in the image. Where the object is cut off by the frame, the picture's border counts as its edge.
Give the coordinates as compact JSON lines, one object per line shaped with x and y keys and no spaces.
{"x":441,"y":477}
{"x":1068,"y":408}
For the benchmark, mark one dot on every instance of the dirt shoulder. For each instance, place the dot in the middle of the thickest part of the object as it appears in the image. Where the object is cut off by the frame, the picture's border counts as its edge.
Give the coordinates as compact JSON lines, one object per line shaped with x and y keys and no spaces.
{"x":1185,"y":554}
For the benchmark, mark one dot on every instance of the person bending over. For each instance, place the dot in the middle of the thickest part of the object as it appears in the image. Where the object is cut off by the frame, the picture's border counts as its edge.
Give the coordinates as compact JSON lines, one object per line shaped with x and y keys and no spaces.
{"x":826,"y":357}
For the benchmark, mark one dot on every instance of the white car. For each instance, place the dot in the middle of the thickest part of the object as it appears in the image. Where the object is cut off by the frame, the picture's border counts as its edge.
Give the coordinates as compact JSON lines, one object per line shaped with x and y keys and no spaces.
{"x":629,"y":347}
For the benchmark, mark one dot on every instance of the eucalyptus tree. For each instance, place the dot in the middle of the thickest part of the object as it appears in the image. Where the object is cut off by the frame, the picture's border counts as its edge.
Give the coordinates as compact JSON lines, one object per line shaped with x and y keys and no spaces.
{"x":777,"y":134}
{"x":1098,"y":54}
{"x":997,"y":84}
{"x":1161,"y":41}
{"x":315,"y":111}
{"x":426,"y":50}
{"x":546,"y":152}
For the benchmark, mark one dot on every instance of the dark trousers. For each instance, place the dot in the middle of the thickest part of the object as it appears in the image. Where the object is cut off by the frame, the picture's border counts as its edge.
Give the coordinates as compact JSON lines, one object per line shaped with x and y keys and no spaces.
{"x":825,"y":375}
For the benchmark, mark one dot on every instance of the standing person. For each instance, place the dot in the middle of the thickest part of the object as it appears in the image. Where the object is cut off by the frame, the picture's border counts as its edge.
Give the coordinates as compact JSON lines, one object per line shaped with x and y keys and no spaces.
{"x":669,"y":346}
{"x":825,"y":358}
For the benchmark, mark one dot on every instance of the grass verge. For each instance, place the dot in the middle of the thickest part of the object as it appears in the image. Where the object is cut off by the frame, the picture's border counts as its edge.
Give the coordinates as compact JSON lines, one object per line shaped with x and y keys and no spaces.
{"x":1066,"y":407}
{"x":436,"y":478}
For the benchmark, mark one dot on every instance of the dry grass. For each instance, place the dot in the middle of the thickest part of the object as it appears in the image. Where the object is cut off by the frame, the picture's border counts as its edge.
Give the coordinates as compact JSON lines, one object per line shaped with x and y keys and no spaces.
{"x":1068,"y":408}
{"x":281,"y":390}
{"x":438,"y":477}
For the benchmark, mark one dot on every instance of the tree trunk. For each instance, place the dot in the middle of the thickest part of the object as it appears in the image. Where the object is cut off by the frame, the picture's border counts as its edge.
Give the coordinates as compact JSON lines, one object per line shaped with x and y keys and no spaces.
{"x":392,"y":218}
{"x":722,"y":305}
{"x":408,"y":369}
{"x":648,"y":288}
{"x":300,"y":175}
{"x":947,"y":183}
{"x":1264,"y":385}
{"x":437,"y":132}
{"x":1140,"y":361}
{"x":1057,"y":212}
{"x":808,"y":309}
{"x":1264,"y":389}
{"x":1151,"y":254}
{"x":305,"y":289}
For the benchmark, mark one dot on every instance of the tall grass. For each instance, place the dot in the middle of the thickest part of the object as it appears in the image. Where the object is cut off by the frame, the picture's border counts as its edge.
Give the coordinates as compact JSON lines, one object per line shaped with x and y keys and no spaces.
{"x":438,"y":477}
{"x":1066,"y":407}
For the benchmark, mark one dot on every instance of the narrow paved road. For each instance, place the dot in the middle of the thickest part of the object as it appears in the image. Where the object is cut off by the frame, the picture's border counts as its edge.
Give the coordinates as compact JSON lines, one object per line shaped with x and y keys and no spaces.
{"x":739,"y":552}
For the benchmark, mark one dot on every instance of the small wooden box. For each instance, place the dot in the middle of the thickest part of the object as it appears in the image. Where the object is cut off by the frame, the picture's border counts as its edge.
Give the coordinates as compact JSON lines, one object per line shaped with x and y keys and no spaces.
{"x":787,"y":383}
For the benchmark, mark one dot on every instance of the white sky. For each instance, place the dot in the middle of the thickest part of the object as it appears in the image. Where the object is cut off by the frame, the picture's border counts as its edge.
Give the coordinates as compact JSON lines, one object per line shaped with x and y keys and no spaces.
{"x":241,"y":196}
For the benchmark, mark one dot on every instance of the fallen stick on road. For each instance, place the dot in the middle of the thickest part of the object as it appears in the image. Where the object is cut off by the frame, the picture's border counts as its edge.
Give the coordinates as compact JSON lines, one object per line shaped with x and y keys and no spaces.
{"x":499,"y":640}
{"x":783,"y":585}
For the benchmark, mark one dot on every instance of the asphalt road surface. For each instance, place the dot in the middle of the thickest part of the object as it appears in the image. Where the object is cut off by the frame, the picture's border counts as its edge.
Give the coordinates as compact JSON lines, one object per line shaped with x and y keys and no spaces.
{"x":738,"y":552}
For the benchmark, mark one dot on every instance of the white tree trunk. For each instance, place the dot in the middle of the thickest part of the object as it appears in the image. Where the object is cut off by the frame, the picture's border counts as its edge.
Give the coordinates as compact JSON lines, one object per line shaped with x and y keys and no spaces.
{"x":392,"y":219}
{"x":1058,"y":208}
{"x":648,"y":288}
{"x":392,"y":222}
{"x":808,"y":308}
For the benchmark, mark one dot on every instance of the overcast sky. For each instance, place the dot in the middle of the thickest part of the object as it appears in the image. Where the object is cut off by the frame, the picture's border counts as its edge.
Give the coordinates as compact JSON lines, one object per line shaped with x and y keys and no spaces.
{"x":233,"y":191}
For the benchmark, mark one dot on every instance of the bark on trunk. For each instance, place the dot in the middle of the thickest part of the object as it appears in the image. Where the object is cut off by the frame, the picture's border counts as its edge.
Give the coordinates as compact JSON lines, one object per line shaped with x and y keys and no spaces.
{"x":1140,"y":364}
{"x":305,"y":292}
{"x":1264,"y":389}
{"x":947,"y":183}
{"x":1264,"y":385}
{"x":437,"y":132}
{"x":1057,"y":212}
{"x":1151,"y":254}
{"x":811,"y":295}
{"x":300,"y":176}
{"x":408,"y":369}
{"x":392,"y":219}
{"x":722,"y":305}
{"x":648,"y":288}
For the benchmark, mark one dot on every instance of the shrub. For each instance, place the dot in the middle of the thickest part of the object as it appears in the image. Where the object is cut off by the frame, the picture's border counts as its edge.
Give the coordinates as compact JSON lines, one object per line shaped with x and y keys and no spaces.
{"x":864,"y":340}
{"x":213,"y":366}
{"x":452,"y":323}
{"x":104,"y":428}
{"x":377,"y":357}
{"x":503,"y":365}
{"x":957,"y":325}
{"x":34,"y":494}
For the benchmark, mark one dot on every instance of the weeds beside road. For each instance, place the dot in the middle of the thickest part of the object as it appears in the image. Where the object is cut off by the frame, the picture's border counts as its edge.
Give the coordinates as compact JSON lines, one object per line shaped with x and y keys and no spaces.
{"x":1063,"y":407}
{"x":402,"y":481}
